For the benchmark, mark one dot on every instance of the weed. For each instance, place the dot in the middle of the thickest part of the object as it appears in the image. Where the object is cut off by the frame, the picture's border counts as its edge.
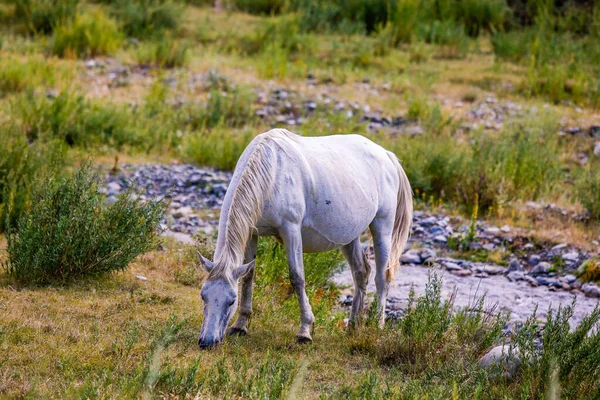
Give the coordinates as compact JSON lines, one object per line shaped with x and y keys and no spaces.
{"x":165,"y":52}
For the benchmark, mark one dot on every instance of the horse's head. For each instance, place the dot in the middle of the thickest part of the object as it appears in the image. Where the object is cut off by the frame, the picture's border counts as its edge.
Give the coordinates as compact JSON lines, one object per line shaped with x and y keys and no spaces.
{"x":219,"y":295}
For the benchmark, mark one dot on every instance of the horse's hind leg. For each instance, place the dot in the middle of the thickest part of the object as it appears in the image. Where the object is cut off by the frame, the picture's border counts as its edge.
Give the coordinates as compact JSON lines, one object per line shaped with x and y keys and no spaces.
{"x":381,"y":229}
{"x":292,"y":240}
{"x":361,"y":269}
{"x":240,"y":326}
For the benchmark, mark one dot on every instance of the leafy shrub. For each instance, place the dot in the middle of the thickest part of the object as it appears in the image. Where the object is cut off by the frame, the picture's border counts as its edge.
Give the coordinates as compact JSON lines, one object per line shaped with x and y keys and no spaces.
{"x":43,"y":16}
{"x":88,"y":35}
{"x":432,"y":335}
{"x":70,"y":233}
{"x":17,"y":75}
{"x":20,"y":164}
{"x":140,"y":18}
{"x":165,"y":53}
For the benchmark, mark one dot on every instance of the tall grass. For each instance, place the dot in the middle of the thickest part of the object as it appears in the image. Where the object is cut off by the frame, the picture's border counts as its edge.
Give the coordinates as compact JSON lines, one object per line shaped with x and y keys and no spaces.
{"x":143,"y":18}
{"x":88,"y":35}
{"x":164,"y":52}
{"x":43,"y":16}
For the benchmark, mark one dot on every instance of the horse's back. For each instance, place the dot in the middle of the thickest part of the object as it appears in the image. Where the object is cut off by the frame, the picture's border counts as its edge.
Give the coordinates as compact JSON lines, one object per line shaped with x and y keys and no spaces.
{"x":334,"y":186}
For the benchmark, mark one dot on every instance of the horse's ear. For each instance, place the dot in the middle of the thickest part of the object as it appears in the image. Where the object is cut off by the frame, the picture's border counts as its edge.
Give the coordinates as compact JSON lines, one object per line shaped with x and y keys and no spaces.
{"x":242,"y":270}
{"x":205,"y":262}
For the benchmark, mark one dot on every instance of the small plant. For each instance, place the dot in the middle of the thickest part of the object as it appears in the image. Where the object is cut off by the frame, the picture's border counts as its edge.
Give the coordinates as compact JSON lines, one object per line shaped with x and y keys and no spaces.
{"x":589,"y":271}
{"x":88,"y":35}
{"x":71,"y":233}
{"x":141,"y":18}
{"x":43,"y":16}
{"x":166,"y":52}
{"x":588,"y":191}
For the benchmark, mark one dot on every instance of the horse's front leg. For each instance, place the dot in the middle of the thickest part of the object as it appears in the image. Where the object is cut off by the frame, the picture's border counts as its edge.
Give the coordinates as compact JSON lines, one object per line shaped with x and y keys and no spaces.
{"x":292,"y":240}
{"x":242,"y":323}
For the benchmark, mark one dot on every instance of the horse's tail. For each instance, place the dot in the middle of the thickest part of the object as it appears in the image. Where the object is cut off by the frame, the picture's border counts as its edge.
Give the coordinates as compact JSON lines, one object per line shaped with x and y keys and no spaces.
{"x":402,"y":221}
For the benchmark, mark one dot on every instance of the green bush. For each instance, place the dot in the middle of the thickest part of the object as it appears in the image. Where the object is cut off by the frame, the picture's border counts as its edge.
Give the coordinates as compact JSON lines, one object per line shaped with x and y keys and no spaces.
{"x":141,"y":18}
{"x":20,"y":164}
{"x":165,"y":52}
{"x":70,"y":233}
{"x":88,"y":35}
{"x":43,"y":16}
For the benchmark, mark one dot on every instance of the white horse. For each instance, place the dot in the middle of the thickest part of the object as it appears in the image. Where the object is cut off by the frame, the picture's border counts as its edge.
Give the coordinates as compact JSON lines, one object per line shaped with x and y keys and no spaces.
{"x":313,"y":194}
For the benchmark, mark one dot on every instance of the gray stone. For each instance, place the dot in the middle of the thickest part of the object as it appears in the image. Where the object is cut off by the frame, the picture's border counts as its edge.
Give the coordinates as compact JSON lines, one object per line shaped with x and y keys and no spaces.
{"x":515,"y":276}
{"x":450,"y":266}
{"x":492,"y":230}
{"x":597,"y":149}
{"x":505,"y":229}
{"x":501,"y":360}
{"x":546,"y":281}
{"x":411,"y":257}
{"x":571,"y":257}
{"x":541,"y":269}
{"x":514,"y":265}
{"x":489,"y":246}
{"x":492,"y":269}
{"x":427,"y":255}
{"x":591,"y":290}
{"x":559,"y":247}
{"x":570,"y":278}
{"x":534,"y":260}
{"x":461,"y":272}
{"x":440,"y":239}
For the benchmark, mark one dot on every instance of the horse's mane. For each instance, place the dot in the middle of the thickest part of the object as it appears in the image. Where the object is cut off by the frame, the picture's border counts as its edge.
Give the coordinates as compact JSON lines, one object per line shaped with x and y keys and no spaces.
{"x":254,"y":187}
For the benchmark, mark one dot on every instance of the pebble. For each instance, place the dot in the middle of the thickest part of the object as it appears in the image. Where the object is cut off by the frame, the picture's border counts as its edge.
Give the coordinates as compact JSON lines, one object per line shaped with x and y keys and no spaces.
{"x":541,"y":269}
{"x":411,"y":257}
{"x":591,"y":290}
{"x":141,"y":278}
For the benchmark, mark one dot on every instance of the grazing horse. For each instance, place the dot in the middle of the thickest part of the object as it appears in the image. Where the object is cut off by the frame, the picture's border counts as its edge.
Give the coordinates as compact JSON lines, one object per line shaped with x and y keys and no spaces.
{"x":313,"y":194}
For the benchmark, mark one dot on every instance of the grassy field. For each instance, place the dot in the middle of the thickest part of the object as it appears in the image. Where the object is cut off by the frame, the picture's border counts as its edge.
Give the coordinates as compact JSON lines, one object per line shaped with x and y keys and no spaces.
{"x":157,"y":81}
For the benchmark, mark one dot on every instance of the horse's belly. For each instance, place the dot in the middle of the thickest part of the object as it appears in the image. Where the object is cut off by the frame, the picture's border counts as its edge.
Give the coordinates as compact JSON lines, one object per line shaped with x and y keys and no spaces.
{"x":314,"y":242}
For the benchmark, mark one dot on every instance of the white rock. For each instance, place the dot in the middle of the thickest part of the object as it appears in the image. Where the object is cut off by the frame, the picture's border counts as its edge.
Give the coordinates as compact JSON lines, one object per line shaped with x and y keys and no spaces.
{"x":505,"y":229}
{"x":141,"y":278}
{"x":500,"y":359}
{"x":492,"y":230}
{"x":572,"y":256}
{"x":411,"y":257}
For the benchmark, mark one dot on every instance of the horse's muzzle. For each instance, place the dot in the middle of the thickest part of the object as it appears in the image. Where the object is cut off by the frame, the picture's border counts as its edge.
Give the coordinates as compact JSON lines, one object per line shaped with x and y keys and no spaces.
{"x":207,"y":344}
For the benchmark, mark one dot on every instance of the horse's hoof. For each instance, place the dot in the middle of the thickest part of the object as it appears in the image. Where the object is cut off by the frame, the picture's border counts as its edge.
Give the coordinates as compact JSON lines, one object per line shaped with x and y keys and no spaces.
{"x":233,"y":331}
{"x":300,"y":339}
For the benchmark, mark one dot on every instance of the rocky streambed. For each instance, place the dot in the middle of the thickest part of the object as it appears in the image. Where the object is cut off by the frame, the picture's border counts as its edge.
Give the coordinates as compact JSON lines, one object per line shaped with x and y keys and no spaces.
{"x":533,"y":274}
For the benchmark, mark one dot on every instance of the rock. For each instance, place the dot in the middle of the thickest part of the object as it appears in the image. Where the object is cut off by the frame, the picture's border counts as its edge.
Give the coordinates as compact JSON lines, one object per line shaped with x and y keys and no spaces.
{"x":514,"y":265}
{"x":141,"y":278}
{"x":541,"y":269}
{"x":492,"y":230}
{"x":481,"y":275}
{"x":591,"y":290}
{"x":182,"y":212}
{"x":440,"y":239}
{"x":505,"y":229}
{"x":427,"y":255}
{"x":546,"y":281}
{"x":571,"y":257}
{"x":489,"y":246}
{"x":501,"y":359}
{"x":531,"y":280}
{"x":570,"y":278}
{"x":515,"y":276}
{"x":492,"y":269}
{"x":113,"y":188}
{"x":450,"y":266}
{"x":461,"y":272}
{"x":597,"y":149}
{"x":534,"y":260}
{"x":559,"y":247}
{"x":411,"y":257}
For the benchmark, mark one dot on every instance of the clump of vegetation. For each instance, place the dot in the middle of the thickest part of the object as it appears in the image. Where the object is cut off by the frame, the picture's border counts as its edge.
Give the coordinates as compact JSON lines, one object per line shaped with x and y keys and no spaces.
{"x":20,"y":165}
{"x":43,"y":16}
{"x":589,"y":270}
{"x":71,"y":233}
{"x":142,"y":18}
{"x":71,"y":118}
{"x":588,"y":191}
{"x":88,"y":35}
{"x":220,"y":147}
{"x":165,"y":52}
{"x":264,"y":7}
